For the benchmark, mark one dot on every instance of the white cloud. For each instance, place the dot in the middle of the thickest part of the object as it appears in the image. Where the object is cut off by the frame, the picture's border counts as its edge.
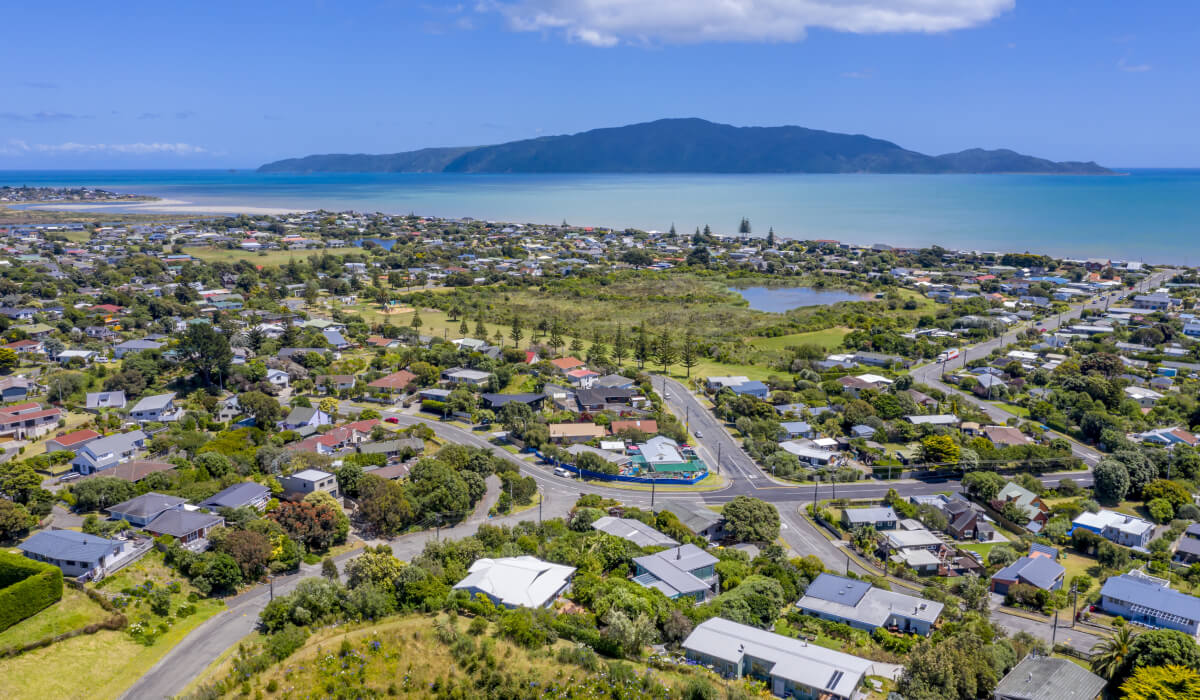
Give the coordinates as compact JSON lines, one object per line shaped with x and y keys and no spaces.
{"x":1128,"y":67}
{"x":16,"y":146}
{"x":609,"y":22}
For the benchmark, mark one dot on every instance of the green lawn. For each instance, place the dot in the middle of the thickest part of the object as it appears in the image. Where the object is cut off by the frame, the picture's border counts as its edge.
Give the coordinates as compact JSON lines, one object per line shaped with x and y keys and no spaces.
{"x":1076,"y":564}
{"x":981,"y":549}
{"x":264,"y":258}
{"x":1019,"y":411}
{"x":75,"y":610}
{"x":828,"y":339}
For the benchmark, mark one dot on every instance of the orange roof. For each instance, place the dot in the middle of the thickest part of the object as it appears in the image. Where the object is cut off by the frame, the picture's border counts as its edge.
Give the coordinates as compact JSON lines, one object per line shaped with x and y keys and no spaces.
{"x":566,"y":363}
{"x":76,"y":437}
{"x":395,"y":380}
{"x":646,"y":426}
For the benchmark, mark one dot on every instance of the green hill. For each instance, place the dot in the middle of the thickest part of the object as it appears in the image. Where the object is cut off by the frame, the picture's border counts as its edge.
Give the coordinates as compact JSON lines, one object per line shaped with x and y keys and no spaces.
{"x":688,"y":146}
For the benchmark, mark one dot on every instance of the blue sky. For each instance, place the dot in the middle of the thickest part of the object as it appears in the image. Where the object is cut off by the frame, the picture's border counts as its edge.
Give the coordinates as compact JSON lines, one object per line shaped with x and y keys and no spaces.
{"x":236,"y":84}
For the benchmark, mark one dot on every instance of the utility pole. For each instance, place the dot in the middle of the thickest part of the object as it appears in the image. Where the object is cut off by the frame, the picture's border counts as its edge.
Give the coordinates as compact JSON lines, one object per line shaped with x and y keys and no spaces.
{"x":653,"y":483}
{"x":1054,"y":631}
{"x":272,"y":581}
{"x":541,"y":498}
{"x":1074,"y":609}
{"x":719,"y":446}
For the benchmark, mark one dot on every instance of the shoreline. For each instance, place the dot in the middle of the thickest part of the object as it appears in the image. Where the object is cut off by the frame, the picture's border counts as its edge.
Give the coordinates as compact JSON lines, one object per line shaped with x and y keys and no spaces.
{"x":161,"y":206}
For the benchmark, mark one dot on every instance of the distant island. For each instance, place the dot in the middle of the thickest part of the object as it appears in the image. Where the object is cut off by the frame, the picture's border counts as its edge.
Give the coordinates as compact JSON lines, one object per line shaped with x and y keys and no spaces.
{"x":687,"y":146}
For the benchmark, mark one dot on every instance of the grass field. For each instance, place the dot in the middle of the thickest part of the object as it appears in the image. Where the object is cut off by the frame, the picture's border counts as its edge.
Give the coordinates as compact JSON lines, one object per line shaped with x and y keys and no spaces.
{"x":75,"y":610}
{"x":404,"y":657}
{"x":1076,"y":564}
{"x":267,"y":258}
{"x":828,"y":339}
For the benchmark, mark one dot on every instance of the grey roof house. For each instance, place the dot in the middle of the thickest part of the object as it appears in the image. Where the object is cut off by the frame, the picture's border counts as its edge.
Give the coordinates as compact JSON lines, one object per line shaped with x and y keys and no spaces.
{"x":634,"y":531}
{"x":76,"y":553}
{"x":140,"y":510}
{"x":1048,"y":678}
{"x":247,"y":493}
{"x":681,"y":571}
{"x":105,"y":399}
{"x":861,"y":605}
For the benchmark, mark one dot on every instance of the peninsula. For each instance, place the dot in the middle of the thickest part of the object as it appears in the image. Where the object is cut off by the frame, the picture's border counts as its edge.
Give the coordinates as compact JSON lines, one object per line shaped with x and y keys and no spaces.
{"x":688,"y":146}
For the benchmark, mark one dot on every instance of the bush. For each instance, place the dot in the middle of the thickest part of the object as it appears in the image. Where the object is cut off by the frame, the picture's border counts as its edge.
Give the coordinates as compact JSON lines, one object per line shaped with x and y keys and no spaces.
{"x":286,"y":641}
{"x":26,"y":588}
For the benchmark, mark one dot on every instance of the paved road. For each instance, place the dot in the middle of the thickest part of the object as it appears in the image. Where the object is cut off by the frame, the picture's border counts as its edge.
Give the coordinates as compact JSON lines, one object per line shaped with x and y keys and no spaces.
{"x":931,"y":373}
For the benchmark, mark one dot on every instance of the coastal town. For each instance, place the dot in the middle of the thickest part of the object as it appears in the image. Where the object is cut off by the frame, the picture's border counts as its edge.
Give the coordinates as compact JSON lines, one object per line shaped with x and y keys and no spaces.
{"x":354,"y":454}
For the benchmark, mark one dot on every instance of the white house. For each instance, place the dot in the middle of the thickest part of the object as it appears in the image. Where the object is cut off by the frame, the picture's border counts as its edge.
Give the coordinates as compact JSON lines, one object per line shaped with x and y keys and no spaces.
{"x":159,"y":408}
{"x":524,"y":582}
{"x":278,"y":378}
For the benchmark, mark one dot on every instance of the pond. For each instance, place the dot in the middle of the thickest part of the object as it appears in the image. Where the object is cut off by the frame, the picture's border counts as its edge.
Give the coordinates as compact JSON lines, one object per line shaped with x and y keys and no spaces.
{"x":781,"y":299}
{"x":385,"y":243}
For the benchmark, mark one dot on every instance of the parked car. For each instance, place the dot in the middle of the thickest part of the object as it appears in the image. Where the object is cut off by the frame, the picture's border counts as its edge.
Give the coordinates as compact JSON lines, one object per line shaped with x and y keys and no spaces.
{"x":559,"y":471}
{"x":392,"y":419}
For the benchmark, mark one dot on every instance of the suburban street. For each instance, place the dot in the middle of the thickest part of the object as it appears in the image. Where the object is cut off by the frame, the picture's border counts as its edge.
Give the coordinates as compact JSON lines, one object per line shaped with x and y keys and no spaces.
{"x":716,"y":446}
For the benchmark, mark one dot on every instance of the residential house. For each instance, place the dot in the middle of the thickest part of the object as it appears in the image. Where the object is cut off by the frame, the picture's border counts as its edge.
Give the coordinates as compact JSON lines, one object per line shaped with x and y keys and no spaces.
{"x":1003,"y":436}
{"x":335,"y":383}
{"x":159,"y":408}
{"x":517,"y":582}
{"x":394,"y":449}
{"x":76,"y":553}
{"x":752,"y":388}
{"x":100,"y":400}
{"x":1026,"y":501}
{"x":1040,"y":677}
{"x":798,"y":429}
{"x":718,"y":383}
{"x":85,"y":357}
{"x":120,"y":350}
{"x":305,"y":417}
{"x":685,"y":571}
{"x":28,"y":421}
{"x":495,"y":402}
{"x":106,"y":452}
{"x":302,"y":483}
{"x":704,"y":522}
{"x":245,"y":494}
{"x":634,"y":531}
{"x":582,"y":378}
{"x":567,"y":364}
{"x":141,"y":510}
{"x":1145,"y":599}
{"x":186,"y":526}
{"x":862,"y":606}
{"x":965,"y":521}
{"x":920,"y":549}
{"x":1126,"y":530}
{"x":1145,"y":397}
{"x":881,"y":518}
{"x":854,"y":385}
{"x":396,"y":382}
{"x":1187,"y":548}
{"x":790,"y":667}
{"x":469,"y":377}
{"x":71,"y":441}
{"x":15,"y":388}
{"x":278,"y":378}
{"x":1039,"y":571}
{"x":600,"y":398}
{"x":575,"y":432}
{"x":809,"y":452}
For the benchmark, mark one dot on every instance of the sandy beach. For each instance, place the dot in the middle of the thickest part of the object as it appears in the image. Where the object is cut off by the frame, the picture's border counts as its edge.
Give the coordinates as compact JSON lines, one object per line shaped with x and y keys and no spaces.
{"x":163,"y":206}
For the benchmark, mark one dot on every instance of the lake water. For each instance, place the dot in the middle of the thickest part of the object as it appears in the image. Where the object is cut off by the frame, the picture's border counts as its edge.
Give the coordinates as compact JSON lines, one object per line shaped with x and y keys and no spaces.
{"x":781,"y":299}
{"x":1149,"y":215}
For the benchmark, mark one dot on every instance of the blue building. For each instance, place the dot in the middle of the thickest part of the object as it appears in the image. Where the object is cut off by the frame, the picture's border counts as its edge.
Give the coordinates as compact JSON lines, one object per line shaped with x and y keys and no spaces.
{"x":1138,"y":597}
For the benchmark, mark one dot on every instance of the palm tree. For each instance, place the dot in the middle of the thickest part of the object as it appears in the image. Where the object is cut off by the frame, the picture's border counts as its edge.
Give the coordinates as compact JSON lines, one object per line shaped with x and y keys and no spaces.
{"x":1110,"y":655}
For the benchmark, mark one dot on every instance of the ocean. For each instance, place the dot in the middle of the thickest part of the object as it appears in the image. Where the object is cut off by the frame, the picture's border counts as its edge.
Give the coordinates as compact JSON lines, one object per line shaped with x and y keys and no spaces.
{"x":1147,"y":215}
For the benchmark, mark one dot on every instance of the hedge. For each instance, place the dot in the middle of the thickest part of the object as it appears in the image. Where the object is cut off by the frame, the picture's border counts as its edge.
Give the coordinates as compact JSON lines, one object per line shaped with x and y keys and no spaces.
{"x":26,"y":588}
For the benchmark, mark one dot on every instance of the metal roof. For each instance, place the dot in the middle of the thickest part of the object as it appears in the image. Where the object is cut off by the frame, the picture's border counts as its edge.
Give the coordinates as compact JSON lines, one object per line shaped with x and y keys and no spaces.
{"x":180,"y":523}
{"x":674,"y":567}
{"x":68,"y":545}
{"x":1152,"y":593}
{"x":237,"y":495}
{"x":148,"y":504}
{"x":634,"y":531}
{"x":1048,"y":678}
{"x":1037,"y":571}
{"x":791,"y":659}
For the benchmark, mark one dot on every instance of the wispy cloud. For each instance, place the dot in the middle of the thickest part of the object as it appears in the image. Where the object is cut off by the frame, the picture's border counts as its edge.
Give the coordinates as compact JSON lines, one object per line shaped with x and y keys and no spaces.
{"x":41,"y":116}
{"x":1128,"y":67}
{"x":611,"y":22}
{"x":17,"y":146}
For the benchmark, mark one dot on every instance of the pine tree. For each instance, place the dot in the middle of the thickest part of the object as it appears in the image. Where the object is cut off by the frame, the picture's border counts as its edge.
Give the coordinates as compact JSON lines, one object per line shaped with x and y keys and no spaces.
{"x":556,"y":339}
{"x":771,"y":238}
{"x":416,"y":320}
{"x":619,"y":349}
{"x":463,"y":328}
{"x":744,"y":227}
{"x":542,"y":327}
{"x":665,"y":353}
{"x":576,"y":346}
{"x":498,"y":338}
{"x":672,"y":232}
{"x":689,"y":353}
{"x":480,"y":329}
{"x":707,"y":232}
{"x":641,"y":346}
{"x":598,"y":354}
{"x":515,"y":334}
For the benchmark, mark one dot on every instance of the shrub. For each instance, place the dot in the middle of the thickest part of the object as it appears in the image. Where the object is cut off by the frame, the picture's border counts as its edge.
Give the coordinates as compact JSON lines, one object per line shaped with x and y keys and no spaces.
{"x":26,"y":587}
{"x":286,"y":641}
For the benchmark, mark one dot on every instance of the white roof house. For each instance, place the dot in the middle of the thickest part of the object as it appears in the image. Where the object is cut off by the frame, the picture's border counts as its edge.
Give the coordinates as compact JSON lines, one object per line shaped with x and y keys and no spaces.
{"x":790,"y":666}
{"x":525,"y":582}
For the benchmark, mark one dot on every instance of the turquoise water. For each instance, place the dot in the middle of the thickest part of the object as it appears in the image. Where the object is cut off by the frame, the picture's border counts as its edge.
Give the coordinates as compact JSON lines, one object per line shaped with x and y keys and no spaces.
{"x":781,"y":299}
{"x":1150,"y":215}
